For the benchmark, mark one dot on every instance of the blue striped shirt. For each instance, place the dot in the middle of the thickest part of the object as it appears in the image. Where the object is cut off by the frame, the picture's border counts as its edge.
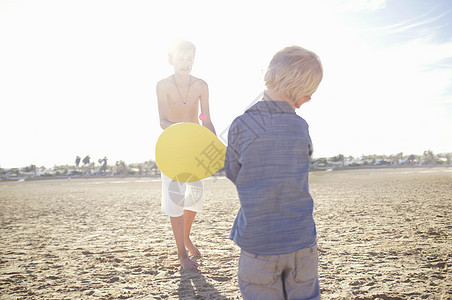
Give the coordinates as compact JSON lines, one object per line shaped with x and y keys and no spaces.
{"x":267,"y":158}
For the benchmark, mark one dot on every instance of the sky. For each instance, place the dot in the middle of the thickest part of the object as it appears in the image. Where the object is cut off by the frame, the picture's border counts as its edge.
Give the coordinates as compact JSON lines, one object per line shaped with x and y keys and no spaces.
{"x":78,"y":77}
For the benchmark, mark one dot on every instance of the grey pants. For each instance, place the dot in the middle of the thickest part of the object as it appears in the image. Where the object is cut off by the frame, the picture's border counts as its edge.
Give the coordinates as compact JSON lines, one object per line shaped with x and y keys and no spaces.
{"x":286,"y":276}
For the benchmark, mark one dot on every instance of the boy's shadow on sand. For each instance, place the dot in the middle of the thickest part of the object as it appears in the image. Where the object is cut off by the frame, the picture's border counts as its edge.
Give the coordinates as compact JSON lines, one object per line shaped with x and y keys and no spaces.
{"x":193,"y":285}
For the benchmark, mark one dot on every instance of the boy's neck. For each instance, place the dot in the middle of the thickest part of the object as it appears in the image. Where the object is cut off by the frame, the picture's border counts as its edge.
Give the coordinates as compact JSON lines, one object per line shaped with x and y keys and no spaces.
{"x":274,"y":96}
{"x":181,"y":78}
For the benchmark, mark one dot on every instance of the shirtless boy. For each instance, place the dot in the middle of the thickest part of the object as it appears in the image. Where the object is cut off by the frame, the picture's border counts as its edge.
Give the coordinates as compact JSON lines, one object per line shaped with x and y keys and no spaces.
{"x":179,"y":98}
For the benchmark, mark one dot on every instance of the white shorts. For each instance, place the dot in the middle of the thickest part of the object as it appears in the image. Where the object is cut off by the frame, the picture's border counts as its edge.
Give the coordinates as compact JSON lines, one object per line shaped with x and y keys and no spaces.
{"x":180,"y":196}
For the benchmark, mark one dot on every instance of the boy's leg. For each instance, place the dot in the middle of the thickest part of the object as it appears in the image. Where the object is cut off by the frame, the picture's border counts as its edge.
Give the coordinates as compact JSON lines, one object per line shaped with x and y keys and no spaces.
{"x":174,"y":198}
{"x":301,"y":280}
{"x":259,"y":276}
{"x":193,"y":204}
{"x":177,"y":224}
{"x":189,"y":216}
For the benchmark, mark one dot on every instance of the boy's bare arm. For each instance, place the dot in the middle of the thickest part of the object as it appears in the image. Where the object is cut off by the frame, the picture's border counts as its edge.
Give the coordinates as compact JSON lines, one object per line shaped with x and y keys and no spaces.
{"x":163,"y":104}
{"x":207,"y":122}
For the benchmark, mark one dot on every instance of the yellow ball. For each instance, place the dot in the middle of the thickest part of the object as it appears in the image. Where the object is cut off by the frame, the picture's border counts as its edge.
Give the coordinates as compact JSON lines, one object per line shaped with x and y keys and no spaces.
{"x":188,"y":152}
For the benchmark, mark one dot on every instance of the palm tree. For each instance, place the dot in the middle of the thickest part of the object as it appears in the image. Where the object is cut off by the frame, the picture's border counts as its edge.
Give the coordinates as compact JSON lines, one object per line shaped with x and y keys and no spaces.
{"x":77,"y":162}
{"x":86,"y":163}
{"x":428,"y":157}
{"x":86,"y":160}
{"x":103,"y":163}
{"x":121,"y":167}
{"x":411,"y":158}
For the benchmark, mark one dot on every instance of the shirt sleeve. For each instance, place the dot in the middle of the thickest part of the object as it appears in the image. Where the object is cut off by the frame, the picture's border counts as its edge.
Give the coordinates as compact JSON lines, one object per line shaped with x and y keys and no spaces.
{"x":232,"y":164}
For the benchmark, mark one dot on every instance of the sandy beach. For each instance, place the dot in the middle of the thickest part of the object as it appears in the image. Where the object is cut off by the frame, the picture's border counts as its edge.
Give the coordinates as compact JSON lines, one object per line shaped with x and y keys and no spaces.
{"x":382,"y":234}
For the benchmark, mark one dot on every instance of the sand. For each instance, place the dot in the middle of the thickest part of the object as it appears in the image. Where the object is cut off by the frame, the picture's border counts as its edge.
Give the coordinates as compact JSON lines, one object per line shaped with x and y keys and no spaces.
{"x":382,"y":234}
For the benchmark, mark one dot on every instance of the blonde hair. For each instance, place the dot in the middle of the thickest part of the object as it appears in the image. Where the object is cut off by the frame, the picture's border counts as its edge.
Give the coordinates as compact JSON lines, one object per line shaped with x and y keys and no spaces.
{"x":294,"y":72}
{"x":180,"y":45}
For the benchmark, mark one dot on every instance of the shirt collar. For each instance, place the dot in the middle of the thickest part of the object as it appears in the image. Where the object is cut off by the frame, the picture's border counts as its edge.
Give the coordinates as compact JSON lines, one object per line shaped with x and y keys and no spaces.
{"x":272,"y":107}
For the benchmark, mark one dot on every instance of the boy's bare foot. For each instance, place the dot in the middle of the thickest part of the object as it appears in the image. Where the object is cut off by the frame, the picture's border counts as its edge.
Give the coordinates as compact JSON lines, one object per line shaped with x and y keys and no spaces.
{"x":187,"y":263}
{"x":192,"y":249}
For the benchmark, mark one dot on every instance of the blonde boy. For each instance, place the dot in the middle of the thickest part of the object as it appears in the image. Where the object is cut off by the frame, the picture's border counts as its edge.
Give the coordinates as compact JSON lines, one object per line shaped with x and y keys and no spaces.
{"x":179,"y":98}
{"x":268,"y":159}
